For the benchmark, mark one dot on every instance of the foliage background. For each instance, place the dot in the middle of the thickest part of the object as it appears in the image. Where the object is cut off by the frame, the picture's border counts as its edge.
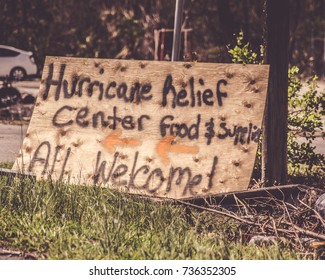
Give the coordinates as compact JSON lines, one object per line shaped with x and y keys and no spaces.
{"x":125,"y":29}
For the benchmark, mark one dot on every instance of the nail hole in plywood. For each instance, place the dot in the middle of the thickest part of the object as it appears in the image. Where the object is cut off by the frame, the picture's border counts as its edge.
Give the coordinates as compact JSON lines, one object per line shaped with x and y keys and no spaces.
{"x":247,"y":104}
{"x":222,"y":117}
{"x":117,"y":66}
{"x":245,"y":149}
{"x":196,"y":159}
{"x":249,"y":78}
{"x":180,"y":82}
{"x":229,"y":73}
{"x":236,"y":163}
{"x":77,"y":144}
{"x":63,"y":132}
{"x":123,"y":156}
{"x":149,"y":159}
{"x":142,"y":65}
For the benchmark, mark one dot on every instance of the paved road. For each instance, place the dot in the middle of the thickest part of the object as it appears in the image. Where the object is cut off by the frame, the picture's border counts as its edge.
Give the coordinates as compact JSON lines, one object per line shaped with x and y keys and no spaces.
{"x":11,"y":138}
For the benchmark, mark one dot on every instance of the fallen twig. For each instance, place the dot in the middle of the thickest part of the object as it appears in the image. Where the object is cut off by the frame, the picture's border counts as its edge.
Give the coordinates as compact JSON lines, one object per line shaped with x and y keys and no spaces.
{"x":309,"y":233}
{"x":265,"y":227}
{"x":235,"y":217}
{"x":10,"y":252}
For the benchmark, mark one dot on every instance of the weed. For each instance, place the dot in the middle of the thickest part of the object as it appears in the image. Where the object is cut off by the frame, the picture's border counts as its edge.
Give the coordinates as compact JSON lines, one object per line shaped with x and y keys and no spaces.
{"x":306,"y":110}
{"x":59,"y":221}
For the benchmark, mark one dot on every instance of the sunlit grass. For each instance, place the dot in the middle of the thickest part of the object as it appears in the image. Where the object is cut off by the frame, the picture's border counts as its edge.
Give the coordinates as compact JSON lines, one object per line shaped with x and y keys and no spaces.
{"x":58,"y":221}
{"x":6,"y":165}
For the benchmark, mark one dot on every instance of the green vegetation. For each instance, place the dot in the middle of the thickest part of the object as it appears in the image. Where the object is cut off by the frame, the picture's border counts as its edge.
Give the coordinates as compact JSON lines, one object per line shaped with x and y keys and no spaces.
{"x":7,"y":165}
{"x":57,"y":221}
{"x":243,"y":54}
{"x":125,"y":29}
{"x":306,"y":109}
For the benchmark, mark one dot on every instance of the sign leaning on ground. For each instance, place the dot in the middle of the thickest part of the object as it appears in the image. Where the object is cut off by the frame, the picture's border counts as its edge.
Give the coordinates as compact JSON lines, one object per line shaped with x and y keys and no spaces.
{"x":168,"y":129}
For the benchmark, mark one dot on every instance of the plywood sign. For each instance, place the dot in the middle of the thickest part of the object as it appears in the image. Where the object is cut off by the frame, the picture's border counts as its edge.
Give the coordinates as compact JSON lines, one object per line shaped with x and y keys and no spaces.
{"x":169,"y":129}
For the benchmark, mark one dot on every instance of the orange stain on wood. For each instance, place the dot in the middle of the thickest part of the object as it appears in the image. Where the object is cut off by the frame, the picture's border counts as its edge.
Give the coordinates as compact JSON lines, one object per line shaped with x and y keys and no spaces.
{"x":165,"y":146}
{"x":114,"y":139}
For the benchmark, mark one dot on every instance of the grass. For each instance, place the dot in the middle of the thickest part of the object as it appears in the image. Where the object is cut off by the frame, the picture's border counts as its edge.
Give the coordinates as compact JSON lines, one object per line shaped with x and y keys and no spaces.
{"x":58,"y":221}
{"x":6,"y":165}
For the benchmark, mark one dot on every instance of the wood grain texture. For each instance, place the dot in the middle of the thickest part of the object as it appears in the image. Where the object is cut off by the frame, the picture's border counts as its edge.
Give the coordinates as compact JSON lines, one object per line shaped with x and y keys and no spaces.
{"x":180,"y":129}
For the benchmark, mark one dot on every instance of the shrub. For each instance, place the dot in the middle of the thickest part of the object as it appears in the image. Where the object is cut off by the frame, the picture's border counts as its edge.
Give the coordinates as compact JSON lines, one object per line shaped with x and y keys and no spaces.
{"x":306,"y":109}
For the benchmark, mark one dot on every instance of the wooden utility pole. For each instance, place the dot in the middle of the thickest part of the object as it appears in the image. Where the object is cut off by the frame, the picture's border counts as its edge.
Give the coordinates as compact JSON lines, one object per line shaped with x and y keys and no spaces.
{"x":274,"y":155}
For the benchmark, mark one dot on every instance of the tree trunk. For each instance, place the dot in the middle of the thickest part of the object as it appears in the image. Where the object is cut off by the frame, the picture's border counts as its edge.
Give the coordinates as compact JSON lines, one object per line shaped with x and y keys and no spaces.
{"x":274,"y":158}
{"x":226,"y":20}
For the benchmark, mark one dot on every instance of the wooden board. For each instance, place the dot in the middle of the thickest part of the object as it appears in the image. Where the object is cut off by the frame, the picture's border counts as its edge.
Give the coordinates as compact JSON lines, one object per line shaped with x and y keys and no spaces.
{"x":169,"y":129}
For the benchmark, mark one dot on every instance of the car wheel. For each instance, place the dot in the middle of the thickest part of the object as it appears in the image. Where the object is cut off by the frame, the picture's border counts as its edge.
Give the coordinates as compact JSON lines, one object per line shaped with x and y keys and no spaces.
{"x":18,"y":74}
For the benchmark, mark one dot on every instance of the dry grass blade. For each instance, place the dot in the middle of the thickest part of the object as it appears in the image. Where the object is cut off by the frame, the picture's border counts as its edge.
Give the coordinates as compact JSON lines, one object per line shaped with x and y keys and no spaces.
{"x":315,"y":212}
{"x":276,"y":217}
{"x":233,"y":216}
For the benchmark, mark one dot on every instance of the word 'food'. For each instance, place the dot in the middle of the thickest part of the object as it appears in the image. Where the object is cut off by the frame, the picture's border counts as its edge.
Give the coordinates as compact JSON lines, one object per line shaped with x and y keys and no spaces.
{"x":179,"y":129}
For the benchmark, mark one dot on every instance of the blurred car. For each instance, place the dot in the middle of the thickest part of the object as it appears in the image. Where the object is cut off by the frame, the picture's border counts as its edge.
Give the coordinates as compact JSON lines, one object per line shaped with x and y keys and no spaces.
{"x":16,"y":63}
